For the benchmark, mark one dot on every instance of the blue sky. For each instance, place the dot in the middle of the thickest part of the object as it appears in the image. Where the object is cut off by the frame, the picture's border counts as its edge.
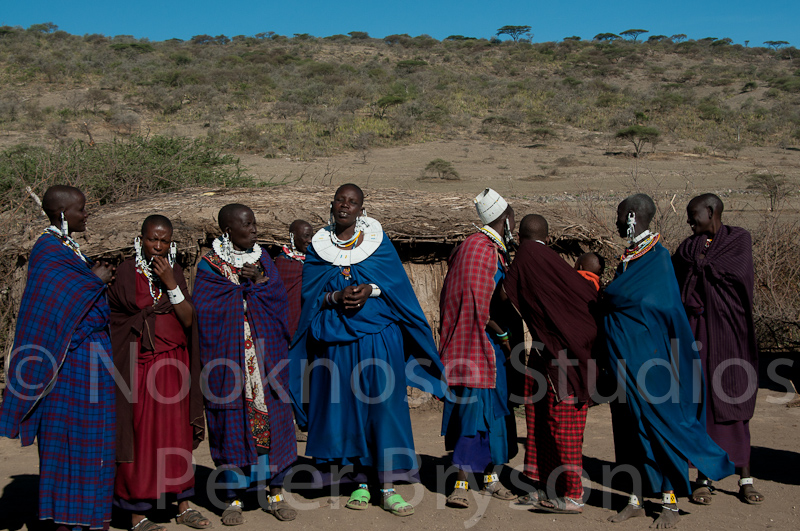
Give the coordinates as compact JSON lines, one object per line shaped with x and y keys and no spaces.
{"x":550,"y":20}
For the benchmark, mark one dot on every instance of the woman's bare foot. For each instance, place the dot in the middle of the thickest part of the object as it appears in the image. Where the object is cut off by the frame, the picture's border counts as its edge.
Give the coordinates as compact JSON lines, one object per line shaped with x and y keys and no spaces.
{"x":630,"y":511}
{"x":669,"y":517}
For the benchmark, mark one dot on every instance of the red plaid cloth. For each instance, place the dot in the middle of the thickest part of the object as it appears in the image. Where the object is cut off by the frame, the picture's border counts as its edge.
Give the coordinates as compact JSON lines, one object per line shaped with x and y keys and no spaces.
{"x":466,"y":351}
{"x":554,"y":444}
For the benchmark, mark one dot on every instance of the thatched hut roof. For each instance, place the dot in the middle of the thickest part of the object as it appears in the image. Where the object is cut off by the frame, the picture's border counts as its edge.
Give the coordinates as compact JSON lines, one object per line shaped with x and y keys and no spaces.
{"x":407,"y":216}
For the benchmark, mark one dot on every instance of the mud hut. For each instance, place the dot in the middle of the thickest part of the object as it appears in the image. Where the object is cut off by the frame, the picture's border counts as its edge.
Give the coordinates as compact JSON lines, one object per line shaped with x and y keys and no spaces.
{"x":423,"y":226}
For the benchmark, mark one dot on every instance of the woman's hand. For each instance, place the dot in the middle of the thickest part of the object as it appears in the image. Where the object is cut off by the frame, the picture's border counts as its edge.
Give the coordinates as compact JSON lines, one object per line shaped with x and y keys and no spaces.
{"x":254,"y":272}
{"x":164,"y":271}
{"x":354,"y":297}
{"x":104,"y":271}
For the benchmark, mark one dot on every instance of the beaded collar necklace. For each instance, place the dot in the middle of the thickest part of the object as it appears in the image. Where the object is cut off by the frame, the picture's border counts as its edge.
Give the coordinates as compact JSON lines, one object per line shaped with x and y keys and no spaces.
{"x":66,"y":240}
{"x":294,"y":254}
{"x":496,"y":238}
{"x":361,"y":224}
{"x":237,"y":258}
{"x":642,"y":246}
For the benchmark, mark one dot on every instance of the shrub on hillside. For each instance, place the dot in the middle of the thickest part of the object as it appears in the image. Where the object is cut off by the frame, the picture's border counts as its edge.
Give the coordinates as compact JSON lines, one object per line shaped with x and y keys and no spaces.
{"x":442,"y":169}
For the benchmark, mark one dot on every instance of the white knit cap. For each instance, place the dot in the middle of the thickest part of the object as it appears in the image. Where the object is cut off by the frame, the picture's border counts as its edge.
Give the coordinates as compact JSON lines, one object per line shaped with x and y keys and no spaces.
{"x":490,"y":205}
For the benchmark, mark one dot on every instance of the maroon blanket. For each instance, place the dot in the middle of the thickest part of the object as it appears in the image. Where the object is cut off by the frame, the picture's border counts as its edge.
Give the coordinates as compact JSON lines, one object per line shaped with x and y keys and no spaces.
{"x":291,"y":272}
{"x":131,"y":324}
{"x":556,"y":303}
{"x":717,"y":292}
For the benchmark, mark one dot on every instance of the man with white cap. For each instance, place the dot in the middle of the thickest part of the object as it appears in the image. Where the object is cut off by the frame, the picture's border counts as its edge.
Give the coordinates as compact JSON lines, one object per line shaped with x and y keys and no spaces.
{"x":474,"y":351}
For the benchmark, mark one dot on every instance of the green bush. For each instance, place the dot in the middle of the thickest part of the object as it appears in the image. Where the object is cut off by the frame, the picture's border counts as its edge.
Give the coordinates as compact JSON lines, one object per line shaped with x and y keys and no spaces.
{"x":443,"y":169}
{"x":117,"y":171}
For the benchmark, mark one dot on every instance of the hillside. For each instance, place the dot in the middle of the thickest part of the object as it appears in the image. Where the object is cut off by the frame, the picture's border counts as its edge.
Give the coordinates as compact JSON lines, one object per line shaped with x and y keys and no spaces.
{"x":307,"y":97}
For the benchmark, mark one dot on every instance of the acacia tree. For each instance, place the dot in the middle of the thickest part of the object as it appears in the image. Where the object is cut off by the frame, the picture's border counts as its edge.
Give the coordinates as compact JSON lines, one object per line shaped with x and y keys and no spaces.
{"x":633,"y":33}
{"x":607,"y":37}
{"x":776,"y":45}
{"x":639,"y":135}
{"x":775,"y":187}
{"x":515,"y":32}
{"x":678,"y":37}
{"x":443,"y":169}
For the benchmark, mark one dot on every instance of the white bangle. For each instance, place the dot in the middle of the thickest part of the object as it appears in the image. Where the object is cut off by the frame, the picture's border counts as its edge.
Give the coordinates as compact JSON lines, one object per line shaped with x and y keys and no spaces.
{"x":175,"y":296}
{"x":376,"y":291}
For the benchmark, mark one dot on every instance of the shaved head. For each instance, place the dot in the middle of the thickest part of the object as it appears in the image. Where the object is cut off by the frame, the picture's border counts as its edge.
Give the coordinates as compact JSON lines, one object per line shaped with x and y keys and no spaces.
{"x":533,"y":227}
{"x":228,"y":214}
{"x":156,"y":220}
{"x":642,"y":205}
{"x":592,"y":262}
{"x":298,"y":225}
{"x":355,"y":187}
{"x":57,"y":198}
{"x":708,"y":201}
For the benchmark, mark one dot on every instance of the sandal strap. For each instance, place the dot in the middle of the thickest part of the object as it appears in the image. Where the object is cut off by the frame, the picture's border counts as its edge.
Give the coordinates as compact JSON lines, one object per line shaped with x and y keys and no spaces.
{"x":144,"y":525}
{"x":708,"y":484}
{"x":395,"y":502}
{"x":362,"y":495}
{"x":573,"y":500}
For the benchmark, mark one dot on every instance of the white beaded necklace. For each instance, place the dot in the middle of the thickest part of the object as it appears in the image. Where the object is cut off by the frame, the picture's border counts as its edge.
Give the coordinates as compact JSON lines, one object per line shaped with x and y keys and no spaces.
{"x":145,"y":269}
{"x":361,"y":225}
{"x":237,"y":258}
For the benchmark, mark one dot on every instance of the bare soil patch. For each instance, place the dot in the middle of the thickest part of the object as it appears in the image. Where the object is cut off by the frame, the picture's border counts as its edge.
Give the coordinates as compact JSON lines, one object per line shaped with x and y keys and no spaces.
{"x":775,"y":463}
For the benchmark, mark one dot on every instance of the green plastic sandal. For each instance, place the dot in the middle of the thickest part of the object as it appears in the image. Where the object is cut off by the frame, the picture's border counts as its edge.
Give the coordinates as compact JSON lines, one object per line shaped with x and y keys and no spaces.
{"x":359,"y":500}
{"x":395,"y":505}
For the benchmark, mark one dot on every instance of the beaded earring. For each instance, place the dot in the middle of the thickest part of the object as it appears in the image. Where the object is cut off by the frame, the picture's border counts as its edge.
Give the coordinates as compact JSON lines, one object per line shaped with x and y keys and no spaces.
{"x":508,"y":237}
{"x":631,"y":234}
{"x":137,"y":247}
{"x":333,"y":222}
{"x":64,"y":226}
{"x":173,"y":253}
{"x":291,"y":242}
{"x":227,"y":246}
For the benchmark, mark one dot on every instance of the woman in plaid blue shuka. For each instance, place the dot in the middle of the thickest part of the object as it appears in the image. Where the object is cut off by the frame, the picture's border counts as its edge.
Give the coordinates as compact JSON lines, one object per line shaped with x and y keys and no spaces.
{"x":59,"y":389}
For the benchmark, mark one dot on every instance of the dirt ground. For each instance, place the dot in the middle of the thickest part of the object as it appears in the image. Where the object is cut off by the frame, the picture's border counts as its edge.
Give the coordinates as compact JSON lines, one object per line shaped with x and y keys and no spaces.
{"x":775,"y":463}
{"x":586,"y":164}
